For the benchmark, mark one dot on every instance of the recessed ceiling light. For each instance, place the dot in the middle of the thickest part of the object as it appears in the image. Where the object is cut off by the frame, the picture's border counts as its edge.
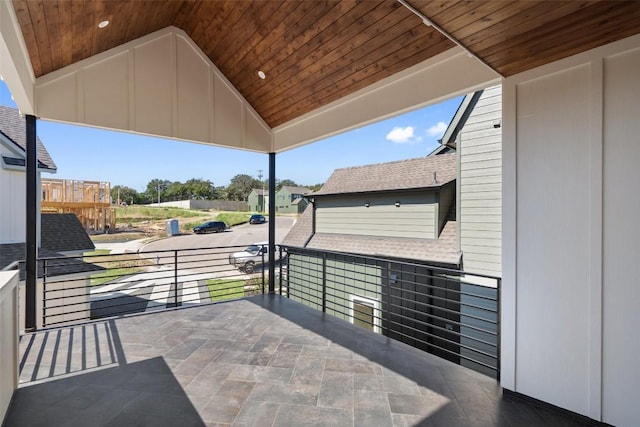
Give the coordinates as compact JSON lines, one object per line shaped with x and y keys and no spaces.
{"x":103,"y":24}
{"x":262,"y":75}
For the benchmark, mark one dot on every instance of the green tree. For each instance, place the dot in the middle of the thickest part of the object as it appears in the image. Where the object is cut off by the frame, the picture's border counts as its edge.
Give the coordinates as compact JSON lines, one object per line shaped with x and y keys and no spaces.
{"x":315,"y":187}
{"x":199,"y":188}
{"x":154,"y":187}
{"x":240,"y":187}
{"x":124,"y":194}
{"x":283,"y":182}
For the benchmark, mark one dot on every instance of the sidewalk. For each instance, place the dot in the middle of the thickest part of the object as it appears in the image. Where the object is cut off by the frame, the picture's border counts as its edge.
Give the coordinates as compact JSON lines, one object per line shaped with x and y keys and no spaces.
{"x":122,"y":248}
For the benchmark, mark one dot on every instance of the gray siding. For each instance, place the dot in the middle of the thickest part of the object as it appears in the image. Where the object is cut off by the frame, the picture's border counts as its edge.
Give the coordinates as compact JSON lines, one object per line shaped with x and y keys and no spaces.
{"x":416,"y":216}
{"x":344,"y":279}
{"x":480,"y":198}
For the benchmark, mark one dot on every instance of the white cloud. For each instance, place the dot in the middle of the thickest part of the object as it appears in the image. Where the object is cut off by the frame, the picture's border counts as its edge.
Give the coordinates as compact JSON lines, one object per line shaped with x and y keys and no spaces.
{"x":401,"y":135}
{"x":437,"y":130}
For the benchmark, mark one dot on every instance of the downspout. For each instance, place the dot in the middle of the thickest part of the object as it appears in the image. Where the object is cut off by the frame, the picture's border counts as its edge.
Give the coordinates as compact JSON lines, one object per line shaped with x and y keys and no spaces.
{"x":272,"y":222}
{"x":31,"y":245}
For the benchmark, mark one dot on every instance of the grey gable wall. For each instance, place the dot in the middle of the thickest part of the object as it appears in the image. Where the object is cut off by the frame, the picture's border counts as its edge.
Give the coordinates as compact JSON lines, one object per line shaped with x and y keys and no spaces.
{"x":415,"y":217}
{"x":480,"y":198}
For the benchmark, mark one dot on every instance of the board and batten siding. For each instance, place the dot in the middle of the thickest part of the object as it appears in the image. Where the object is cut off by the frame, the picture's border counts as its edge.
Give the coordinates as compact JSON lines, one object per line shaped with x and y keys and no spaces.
{"x":415,"y":217}
{"x":480,"y":199}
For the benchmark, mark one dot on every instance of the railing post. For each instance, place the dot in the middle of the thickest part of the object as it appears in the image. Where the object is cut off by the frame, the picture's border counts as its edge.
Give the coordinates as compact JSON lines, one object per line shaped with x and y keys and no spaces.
{"x":175,"y":276}
{"x":44,"y":293}
{"x":324,"y":282}
{"x":262,"y":253}
{"x":288,"y":275}
{"x":280,"y":278}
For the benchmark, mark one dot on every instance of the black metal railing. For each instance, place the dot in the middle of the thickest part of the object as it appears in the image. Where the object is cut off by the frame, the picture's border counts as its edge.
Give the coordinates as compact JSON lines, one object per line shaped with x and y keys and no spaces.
{"x":446,"y":312}
{"x":76,"y":289}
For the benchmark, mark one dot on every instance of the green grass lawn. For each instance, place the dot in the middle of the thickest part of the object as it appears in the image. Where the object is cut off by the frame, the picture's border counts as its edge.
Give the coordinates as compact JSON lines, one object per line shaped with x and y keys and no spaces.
{"x":224,"y":289}
{"x":233,"y":218}
{"x":116,"y":267}
{"x":112,"y":274}
{"x":140,"y":213}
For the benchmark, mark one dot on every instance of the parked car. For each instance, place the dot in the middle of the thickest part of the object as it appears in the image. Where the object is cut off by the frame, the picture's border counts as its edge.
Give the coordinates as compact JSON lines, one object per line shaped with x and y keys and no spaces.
{"x":257,"y":219}
{"x":251,"y":256}
{"x":210,"y":227}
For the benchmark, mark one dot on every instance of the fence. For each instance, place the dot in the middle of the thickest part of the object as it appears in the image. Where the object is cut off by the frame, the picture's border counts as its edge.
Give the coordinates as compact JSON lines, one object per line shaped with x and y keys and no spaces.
{"x":446,"y":312}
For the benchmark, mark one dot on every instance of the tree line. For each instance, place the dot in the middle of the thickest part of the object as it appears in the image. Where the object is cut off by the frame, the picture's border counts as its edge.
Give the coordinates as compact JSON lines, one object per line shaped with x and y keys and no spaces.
{"x":196,"y":188}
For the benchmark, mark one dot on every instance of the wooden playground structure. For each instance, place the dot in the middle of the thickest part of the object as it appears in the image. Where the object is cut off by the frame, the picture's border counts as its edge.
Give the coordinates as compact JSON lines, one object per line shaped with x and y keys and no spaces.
{"x":90,"y":201}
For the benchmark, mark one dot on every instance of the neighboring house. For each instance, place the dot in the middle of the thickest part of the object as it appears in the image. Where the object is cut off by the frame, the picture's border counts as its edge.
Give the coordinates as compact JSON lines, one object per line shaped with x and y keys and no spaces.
{"x":291,"y":199}
{"x":67,"y":278}
{"x":396,"y":211}
{"x":475,"y":133}
{"x":12,"y":175}
{"x":258,"y":200}
{"x":442,"y":210}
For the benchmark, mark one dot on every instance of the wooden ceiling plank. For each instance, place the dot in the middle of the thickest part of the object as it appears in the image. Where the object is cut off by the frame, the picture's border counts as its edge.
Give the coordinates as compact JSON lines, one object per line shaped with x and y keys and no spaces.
{"x":77,"y":12}
{"x":502,"y":11}
{"x":53,"y":25}
{"x":308,"y":62}
{"x":224,"y":32}
{"x":581,"y":21}
{"x":265,"y":26}
{"x":351,"y":53}
{"x":622,"y":21}
{"x":250,"y":22}
{"x":375,"y":73}
{"x":98,"y":35}
{"x":36,"y":11}
{"x":66,"y":21}
{"x":272,"y":57}
{"x":205,"y":15}
{"x":499,"y":23}
{"x":21,"y":7}
{"x":529,"y":20}
{"x":275,"y":53}
{"x":364,"y":59}
{"x":181,"y":19}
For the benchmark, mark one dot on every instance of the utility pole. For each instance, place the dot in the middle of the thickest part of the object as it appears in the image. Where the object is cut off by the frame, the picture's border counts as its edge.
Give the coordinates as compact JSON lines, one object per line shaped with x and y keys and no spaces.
{"x":158,"y":194}
{"x":260,"y":178}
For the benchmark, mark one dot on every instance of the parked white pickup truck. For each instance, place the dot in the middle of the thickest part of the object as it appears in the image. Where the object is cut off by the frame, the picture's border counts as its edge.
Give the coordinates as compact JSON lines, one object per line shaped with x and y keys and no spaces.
{"x":251,"y":256}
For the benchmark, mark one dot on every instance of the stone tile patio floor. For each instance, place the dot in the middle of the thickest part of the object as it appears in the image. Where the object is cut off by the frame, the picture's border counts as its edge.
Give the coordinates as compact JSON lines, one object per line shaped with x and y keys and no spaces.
{"x":260,"y":361}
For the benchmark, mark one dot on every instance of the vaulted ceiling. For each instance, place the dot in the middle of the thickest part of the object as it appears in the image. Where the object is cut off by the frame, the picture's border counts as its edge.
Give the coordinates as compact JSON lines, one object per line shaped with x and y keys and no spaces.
{"x":316,"y":52}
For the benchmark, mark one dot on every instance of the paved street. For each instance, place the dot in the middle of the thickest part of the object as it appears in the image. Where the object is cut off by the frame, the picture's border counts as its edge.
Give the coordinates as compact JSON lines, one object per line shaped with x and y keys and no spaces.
{"x":239,"y":235}
{"x":155,"y":286}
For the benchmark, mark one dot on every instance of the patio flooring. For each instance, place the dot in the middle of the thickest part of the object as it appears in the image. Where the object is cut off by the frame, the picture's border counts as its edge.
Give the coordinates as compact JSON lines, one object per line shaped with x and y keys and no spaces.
{"x":260,"y":361}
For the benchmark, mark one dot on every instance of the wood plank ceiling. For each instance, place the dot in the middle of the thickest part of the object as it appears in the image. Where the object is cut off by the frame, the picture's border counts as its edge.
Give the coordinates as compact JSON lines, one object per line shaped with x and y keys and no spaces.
{"x":315,"y":52}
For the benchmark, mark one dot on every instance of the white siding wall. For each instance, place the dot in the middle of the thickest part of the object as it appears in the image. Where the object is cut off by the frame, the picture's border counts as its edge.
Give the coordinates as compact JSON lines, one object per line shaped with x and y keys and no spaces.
{"x":571,"y":233}
{"x":480,"y":199}
{"x":12,"y":204}
{"x":416,"y":216}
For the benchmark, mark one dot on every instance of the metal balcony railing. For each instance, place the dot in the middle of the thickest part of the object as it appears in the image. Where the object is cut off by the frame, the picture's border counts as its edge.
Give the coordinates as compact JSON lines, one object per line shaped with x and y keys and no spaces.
{"x":75,"y":289}
{"x":446,"y":312}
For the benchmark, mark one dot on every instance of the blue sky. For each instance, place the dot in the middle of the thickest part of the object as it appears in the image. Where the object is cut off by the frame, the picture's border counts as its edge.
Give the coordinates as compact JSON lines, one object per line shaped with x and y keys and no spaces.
{"x":85,"y":153}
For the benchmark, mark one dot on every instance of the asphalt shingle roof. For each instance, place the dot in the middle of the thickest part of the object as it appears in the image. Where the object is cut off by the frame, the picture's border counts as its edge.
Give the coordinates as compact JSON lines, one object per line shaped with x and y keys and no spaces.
{"x":64,"y":232}
{"x":296,"y":190}
{"x":14,"y":127}
{"x":301,"y":230}
{"x":400,"y":175}
{"x":10,"y":252}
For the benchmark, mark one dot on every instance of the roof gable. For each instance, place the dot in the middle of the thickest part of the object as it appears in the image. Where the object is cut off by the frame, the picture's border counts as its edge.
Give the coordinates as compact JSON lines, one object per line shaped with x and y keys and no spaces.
{"x":424,"y":172}
{"x":13,"y":129}
{"x":63,"y":233}
{"x":296,"y":190}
